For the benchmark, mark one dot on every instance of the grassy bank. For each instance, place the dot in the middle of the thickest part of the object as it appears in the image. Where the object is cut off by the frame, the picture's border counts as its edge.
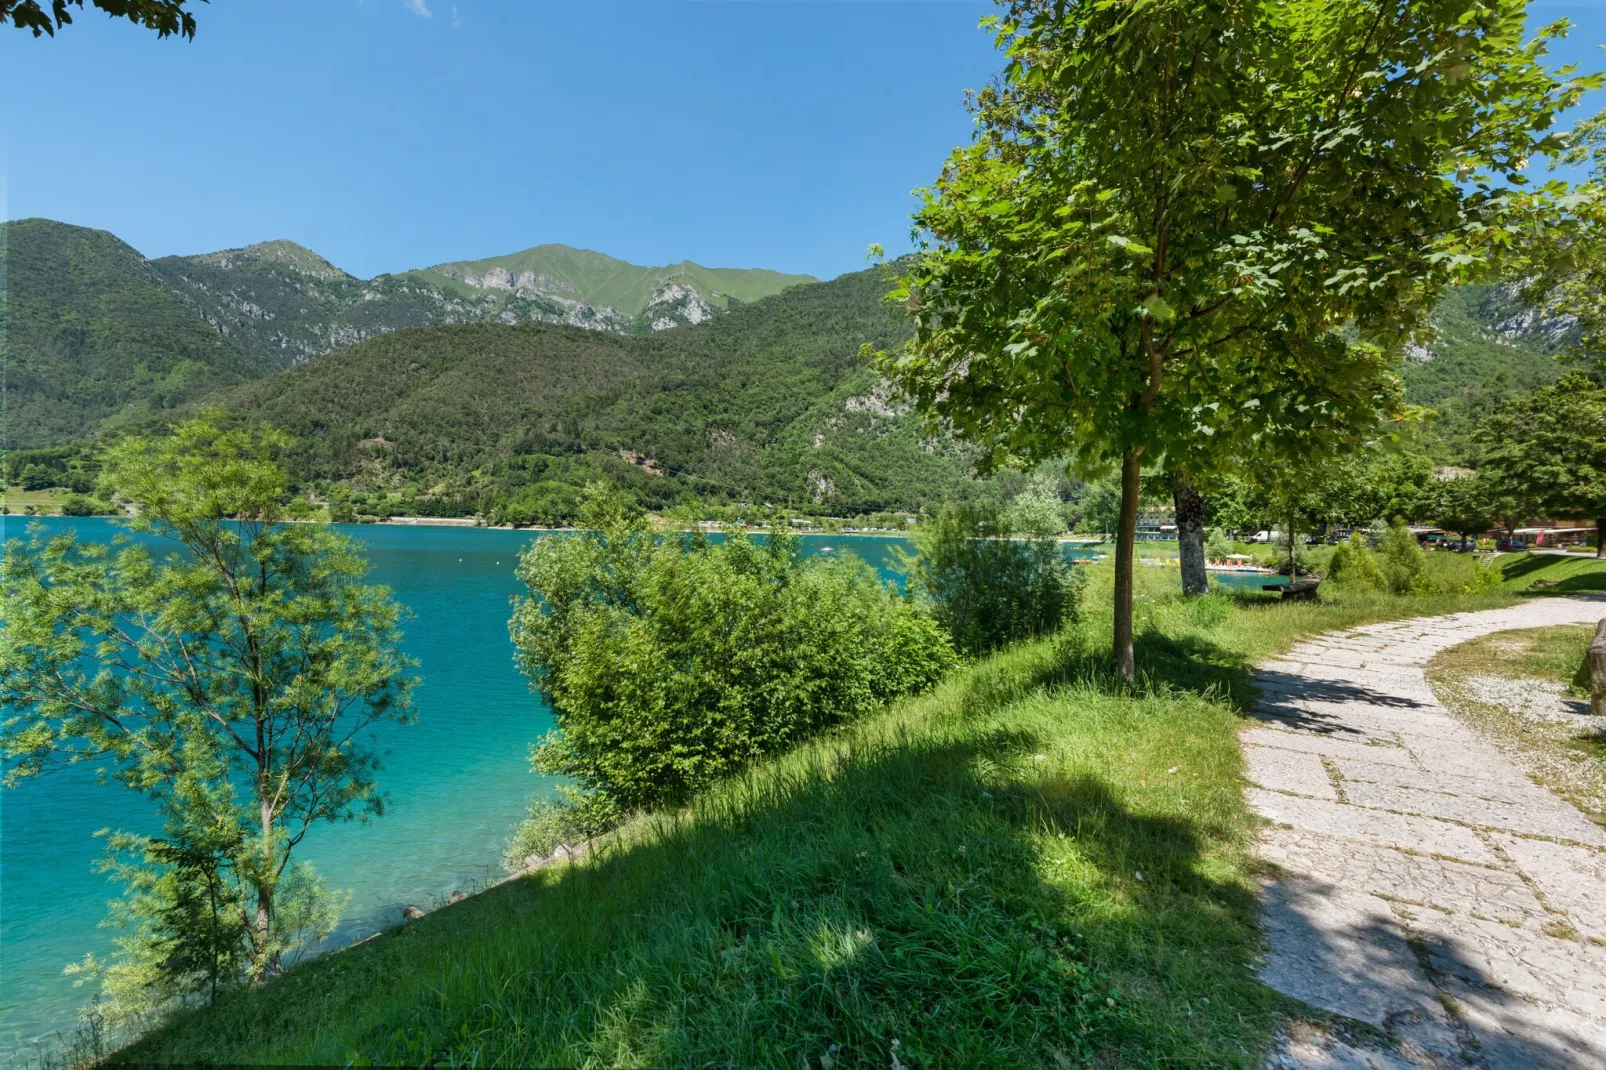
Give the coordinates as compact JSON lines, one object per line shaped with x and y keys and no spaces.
{"x":1030,"y":866}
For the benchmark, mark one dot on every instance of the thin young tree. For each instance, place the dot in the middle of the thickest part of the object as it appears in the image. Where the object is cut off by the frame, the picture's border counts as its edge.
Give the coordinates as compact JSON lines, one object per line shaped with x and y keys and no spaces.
{"x":235,"y":679}
{"x":1189,"y":232}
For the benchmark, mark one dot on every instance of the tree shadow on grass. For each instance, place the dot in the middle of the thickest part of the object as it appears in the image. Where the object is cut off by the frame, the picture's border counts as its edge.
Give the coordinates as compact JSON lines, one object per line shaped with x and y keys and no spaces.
{"x":938,"y":893}
{"x":1189,"y":663}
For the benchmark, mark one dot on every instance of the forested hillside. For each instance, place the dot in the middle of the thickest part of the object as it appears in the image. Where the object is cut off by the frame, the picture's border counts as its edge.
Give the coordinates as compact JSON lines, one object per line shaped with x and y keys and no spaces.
{"x":768,"y":403}
{"x":94,"y":337}
{"x":1487,"y":349}
{"x":99,"y":332}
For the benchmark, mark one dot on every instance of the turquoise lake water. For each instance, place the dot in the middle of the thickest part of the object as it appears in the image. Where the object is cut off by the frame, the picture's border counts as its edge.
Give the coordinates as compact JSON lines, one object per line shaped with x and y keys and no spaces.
{"x":458,"y":779}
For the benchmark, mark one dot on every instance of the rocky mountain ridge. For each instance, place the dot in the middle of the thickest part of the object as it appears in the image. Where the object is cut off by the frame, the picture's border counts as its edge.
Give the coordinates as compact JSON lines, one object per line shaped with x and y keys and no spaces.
{"x":288,"y":303}
{"x":100,"y":332}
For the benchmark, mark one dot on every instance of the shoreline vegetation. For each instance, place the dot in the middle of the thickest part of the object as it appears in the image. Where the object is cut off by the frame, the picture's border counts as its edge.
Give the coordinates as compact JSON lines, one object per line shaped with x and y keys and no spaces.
{"x":1035,"y":864}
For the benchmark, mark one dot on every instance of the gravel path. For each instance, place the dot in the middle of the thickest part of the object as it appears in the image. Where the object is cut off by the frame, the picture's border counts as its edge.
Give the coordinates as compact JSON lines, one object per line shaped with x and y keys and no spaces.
{"x":1430,"y":889}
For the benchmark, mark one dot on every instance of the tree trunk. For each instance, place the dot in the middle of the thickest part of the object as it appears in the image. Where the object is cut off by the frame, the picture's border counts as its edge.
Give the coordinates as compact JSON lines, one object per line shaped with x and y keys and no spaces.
{"x":1190,"y":536}
{"x":1125,"y":538}
{"x":1600,"y":536}
{"x":261,"y":933}
{"x":1293,"y":552}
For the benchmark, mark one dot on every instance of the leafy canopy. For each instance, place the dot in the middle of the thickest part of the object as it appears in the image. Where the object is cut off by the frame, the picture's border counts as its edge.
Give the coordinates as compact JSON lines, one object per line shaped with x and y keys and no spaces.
{"x":1562,"y":247}
{"x":1549,"y":447}
{"x":1170,"y":209}
{"x":166,"y":17}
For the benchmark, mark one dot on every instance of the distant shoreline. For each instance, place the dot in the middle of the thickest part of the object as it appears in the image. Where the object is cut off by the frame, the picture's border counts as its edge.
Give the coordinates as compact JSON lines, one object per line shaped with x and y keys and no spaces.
{"x":475,"y":523}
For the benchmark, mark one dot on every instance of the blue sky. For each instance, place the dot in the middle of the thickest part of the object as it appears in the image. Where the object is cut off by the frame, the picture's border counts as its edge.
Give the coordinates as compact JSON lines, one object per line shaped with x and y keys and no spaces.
{"x":389,"y":134}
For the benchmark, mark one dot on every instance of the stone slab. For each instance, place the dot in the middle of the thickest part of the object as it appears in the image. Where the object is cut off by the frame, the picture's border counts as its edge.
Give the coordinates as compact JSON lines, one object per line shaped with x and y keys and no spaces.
{"x":1341,"y":951}
{"x":1334,"y":748}
{"x":1289,"y":770}
{"x":1521,"y":962}
{"x":1395,"y":875}
{"x":1540,"y":817}
{"x":1572,"y":879}
{"x":1406,"y":777}
{"x":1422,"y":834}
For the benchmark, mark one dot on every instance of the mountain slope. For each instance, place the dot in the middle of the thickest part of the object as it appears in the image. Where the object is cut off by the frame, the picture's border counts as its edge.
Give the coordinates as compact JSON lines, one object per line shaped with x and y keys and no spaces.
{"x":93,"y":335}
{"x":770,"y":402}
{"x":643,"y":296}
{"x":98,"y":333}
{"x":1484,"y":350}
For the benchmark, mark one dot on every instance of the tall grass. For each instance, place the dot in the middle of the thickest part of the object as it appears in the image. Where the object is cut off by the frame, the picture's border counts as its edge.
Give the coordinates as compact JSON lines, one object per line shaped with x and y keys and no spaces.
{"x":1033,"y":865}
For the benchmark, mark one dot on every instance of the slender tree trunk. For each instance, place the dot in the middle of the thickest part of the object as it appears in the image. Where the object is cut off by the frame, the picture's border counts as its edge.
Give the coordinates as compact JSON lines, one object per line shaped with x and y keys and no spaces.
{"x":1190,"y":536}
{"x":1125,"y":539}
{"x":1600,"y":536}
{"x":1293,"y":552}
{"x":262,"y":934}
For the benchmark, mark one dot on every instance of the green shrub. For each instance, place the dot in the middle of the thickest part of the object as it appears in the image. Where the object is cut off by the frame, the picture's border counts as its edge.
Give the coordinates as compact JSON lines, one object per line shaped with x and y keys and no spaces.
{"x":1354,"y":565}
{"x":1404,"y":564}
{"x":1217,"y":545}
{"x":1459,"y":574}
{"x":986,"y":588}
{"x":78,"y":505}
{"x":550,"y":824}
{"x":672,"y":662}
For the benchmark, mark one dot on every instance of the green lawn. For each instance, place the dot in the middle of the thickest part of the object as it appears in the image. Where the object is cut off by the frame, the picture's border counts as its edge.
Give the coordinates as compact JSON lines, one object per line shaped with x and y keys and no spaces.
{"x":1031,"y":866}
{"x":47,"y":502}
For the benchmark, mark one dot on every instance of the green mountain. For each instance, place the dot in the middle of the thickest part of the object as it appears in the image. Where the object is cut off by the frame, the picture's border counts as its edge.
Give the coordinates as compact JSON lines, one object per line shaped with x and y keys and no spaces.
{"x":93,"y":336}
{"x":767,"y":403}
{"x":648,"y":298}
{"x":469,"y":388}
{"x":1485,"y":348}
{"x":770,"y":402}
{"x":99,"y":333}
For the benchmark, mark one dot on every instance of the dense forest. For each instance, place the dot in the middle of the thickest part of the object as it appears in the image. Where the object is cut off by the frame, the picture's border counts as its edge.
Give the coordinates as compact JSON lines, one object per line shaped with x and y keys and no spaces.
{"x":95,"y":338}
{"x":100,"y":336}
{"x":771,"y":402}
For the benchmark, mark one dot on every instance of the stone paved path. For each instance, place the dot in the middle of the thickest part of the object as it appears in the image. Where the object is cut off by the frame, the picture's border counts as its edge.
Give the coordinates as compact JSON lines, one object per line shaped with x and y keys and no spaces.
{"x":1431,"y":889}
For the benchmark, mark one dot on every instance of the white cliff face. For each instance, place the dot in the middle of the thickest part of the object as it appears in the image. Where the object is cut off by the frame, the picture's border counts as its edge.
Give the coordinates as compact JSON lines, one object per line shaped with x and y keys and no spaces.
{"x":675,"y":303}
{"x":544,"y":289}
{"x":820,"y":486}
{"x":876,"y":403}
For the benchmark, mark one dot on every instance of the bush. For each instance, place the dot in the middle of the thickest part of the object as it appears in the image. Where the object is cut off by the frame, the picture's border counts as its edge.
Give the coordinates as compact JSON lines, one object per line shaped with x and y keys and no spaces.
{"x":1460,"y":574}
{"x":551,"y":823}
{"x":670,"y":663}
{"x":986,"y":588}
{"x":1404,"y":564}
{"x":1354,"y":565}
{"x":78,"y":505}
{"x":1405,"y":570}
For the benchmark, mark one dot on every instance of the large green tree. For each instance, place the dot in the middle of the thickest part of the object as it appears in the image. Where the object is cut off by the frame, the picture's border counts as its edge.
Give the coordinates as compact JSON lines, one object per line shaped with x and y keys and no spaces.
{"x":166,"y":17}
{"x":235,"y":680}
{"x":1172,"y":208}
{"x":1549,"y":448}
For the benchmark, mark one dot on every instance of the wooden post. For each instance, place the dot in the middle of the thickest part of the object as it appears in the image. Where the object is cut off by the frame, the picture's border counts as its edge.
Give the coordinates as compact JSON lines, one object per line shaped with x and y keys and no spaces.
{"x":1597,"y":671}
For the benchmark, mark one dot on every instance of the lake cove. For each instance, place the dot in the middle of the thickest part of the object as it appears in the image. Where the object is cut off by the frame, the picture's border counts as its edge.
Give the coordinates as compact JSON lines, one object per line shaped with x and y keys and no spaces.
{"x":458,"y":780}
